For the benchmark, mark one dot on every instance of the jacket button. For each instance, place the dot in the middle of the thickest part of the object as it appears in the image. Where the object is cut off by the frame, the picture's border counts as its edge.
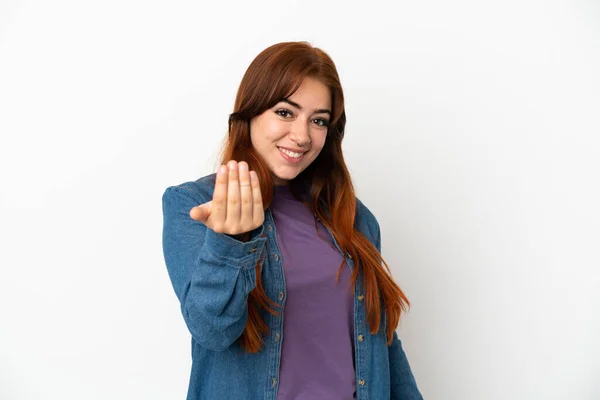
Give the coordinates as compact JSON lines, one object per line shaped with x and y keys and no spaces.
{"x":253,"y":250}
{"x":361,"y":338}
{"x":361,"y":297}
{"x":277,"y":337}
{"x":276,"y":257}
{"x":273,"y":382}
{"x":280,"y":296}
{"x":270,"y":228}
{"x":361,"y":382}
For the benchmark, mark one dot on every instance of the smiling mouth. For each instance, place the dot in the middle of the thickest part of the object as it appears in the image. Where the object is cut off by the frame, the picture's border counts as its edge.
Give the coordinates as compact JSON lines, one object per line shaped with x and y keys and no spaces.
{"x":291,"y":156}
{"x":290,"y":153}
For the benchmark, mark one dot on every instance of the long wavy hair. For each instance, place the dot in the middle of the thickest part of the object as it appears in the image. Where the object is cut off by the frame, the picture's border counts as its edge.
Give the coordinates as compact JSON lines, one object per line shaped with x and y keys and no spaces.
{"x":275,"y":74}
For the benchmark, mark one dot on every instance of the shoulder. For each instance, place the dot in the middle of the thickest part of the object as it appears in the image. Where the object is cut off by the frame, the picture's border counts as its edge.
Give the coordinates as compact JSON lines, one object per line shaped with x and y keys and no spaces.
{"x":366,"y":221}
{"x":199,"y":190}
{"x":362,"y":211}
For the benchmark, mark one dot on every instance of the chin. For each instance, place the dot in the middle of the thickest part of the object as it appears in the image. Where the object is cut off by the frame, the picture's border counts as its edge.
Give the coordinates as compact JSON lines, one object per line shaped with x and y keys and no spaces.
{"x":286,"y":177}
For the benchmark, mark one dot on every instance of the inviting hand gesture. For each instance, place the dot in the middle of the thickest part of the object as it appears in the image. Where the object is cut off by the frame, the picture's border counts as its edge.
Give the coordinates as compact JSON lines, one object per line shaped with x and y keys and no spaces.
{"x":237,"y":205}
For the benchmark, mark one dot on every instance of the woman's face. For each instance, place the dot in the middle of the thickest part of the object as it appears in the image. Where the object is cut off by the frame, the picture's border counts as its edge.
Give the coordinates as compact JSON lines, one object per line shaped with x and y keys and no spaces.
{"x":291,"y":135}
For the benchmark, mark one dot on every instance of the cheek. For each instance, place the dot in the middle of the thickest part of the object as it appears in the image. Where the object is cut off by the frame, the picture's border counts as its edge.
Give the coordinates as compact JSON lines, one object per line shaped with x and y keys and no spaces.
{"x":274,"y":130}
{"x":266,"y":130}
{"x":319,"y":140}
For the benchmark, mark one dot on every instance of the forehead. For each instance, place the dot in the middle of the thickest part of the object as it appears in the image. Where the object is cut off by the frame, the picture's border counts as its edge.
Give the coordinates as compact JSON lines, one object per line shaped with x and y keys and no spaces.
{"x":312,"y":93}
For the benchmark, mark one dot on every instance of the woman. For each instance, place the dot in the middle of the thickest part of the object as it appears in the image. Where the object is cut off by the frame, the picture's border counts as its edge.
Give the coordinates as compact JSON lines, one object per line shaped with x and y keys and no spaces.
{"x":275,"y":262}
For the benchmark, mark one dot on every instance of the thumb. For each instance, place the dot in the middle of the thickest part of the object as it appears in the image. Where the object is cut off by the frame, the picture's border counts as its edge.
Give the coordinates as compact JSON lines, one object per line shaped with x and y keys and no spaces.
{"x":201,"y":212}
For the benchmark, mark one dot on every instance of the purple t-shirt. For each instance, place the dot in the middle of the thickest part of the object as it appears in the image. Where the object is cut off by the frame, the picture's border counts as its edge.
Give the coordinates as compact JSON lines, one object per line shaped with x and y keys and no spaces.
{"x":318,"y":319}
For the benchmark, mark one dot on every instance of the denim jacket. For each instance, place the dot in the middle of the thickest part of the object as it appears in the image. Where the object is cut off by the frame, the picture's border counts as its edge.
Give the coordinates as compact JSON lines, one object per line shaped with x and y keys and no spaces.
{"x":212,"y":275}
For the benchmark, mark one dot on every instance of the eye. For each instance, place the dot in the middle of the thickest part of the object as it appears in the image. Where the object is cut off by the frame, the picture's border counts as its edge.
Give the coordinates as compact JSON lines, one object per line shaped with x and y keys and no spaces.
{"x":321,"y":122}
{"x":282,"y":112}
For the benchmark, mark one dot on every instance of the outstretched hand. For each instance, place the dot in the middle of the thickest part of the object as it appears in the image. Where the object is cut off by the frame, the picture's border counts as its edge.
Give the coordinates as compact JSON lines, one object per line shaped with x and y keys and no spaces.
{"x":237,"y":205}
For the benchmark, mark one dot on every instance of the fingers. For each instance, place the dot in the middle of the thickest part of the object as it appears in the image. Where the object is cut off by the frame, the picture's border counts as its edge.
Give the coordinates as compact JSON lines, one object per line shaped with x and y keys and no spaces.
{"x":237,"y":205}
{"x":246,"y":195}
{"x":201,"y":212}
{"x":219,"y":201}
{"x":233,"y":196}
{"x":198,"y":213}
{"x":258,"y":214}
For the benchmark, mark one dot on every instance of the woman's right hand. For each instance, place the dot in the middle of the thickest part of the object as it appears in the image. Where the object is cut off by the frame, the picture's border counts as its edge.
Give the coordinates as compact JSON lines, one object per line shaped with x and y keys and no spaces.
{"x":237,"y":205}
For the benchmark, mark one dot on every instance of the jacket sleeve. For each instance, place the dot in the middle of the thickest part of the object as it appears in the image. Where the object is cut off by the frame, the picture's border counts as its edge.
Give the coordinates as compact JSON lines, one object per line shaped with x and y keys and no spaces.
{"x":211,"y":273}
{"x":403,"y":383}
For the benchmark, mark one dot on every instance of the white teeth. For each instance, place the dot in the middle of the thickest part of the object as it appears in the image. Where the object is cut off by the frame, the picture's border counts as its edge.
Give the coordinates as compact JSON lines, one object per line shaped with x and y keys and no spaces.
{"x":290,"y":153}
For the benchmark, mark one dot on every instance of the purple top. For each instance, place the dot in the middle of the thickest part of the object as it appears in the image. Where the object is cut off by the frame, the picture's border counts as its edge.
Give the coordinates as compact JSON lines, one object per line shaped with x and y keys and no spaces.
{"x":317,"y":356}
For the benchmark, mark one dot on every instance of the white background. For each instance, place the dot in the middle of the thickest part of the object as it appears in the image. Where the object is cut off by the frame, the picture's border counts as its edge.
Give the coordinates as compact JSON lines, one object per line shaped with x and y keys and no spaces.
{"x":473,"y":136}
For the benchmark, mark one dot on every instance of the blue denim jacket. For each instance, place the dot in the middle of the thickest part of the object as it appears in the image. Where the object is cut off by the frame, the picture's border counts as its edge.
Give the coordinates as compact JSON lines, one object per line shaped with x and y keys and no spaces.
{"x":213,"y":273}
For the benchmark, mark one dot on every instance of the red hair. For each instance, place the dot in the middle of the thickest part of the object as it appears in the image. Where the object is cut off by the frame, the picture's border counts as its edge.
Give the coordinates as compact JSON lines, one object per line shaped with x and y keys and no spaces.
{"x":275,"y":74}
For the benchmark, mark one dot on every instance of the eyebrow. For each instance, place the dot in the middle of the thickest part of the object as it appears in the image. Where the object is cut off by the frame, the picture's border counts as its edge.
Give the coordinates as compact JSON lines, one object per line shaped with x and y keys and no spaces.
{"x":318,"y":111}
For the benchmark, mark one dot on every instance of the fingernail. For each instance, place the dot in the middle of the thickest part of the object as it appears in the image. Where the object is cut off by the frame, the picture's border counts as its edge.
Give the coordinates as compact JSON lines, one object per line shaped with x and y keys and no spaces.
{"x":222,"y":170}
{"x":243,"y":166}
{"x":232,"y":165}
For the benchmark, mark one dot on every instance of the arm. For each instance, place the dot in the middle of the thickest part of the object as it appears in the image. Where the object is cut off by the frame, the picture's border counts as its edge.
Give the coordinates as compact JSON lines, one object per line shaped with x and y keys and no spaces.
{"x":403,"y":384}
{"x":402,"y":381}
{"x":211,"y":273}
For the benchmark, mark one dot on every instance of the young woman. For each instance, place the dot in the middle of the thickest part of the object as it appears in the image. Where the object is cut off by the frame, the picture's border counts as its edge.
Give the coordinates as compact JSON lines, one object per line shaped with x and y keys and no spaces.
{"x":277,"y":265}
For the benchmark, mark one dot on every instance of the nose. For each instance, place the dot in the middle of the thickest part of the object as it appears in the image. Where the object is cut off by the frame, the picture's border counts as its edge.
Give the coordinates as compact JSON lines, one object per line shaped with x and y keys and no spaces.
{"x":300,"y":133}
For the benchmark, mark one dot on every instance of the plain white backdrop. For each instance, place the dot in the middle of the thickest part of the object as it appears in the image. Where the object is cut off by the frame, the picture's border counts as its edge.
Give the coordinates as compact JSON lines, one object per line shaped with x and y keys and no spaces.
{"x":473,"y":136}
